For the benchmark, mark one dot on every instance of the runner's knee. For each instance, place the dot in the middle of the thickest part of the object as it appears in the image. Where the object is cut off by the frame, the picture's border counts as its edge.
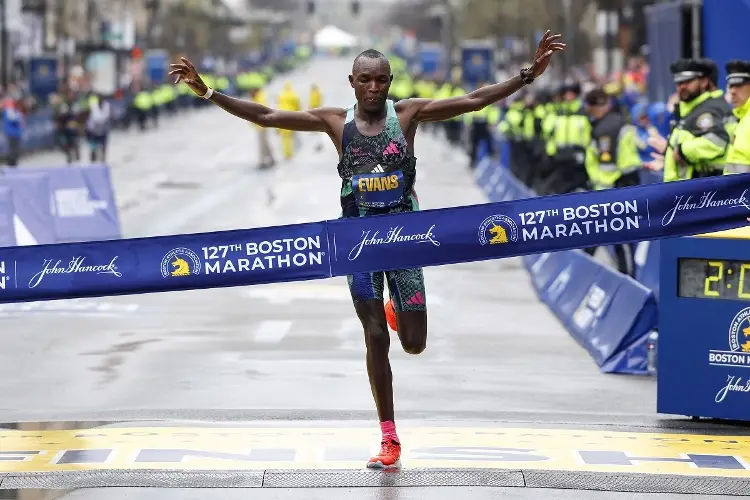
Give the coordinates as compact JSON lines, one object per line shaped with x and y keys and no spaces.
{"x":376,"y":335}
{"x":372,"y":316}
{"x":412,"y":331}
{"x":414,"y":345}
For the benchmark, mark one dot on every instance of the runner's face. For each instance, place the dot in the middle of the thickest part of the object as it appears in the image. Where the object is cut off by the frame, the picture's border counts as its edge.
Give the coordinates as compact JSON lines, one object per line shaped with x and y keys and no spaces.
{"x":371,"y":81}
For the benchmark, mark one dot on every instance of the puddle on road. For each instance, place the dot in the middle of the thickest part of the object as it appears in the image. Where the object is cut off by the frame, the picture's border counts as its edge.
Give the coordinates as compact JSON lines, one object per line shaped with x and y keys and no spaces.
{"x":114,"y":357}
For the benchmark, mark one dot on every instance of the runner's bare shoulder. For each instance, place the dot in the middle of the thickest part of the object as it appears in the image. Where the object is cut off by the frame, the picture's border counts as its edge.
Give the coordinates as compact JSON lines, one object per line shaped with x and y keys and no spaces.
{"x":333,"y":117}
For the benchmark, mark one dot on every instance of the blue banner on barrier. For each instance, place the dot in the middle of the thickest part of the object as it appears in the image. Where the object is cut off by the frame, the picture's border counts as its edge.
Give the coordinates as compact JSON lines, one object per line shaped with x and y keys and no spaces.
{"x":603,"y":310}
{"x":32,"y":217}
{"x":609,"y":314}
{"x":544,"y":268}
{"x":7,"y":234}
{"x":82,"y":201}
{"x":184,"y":262}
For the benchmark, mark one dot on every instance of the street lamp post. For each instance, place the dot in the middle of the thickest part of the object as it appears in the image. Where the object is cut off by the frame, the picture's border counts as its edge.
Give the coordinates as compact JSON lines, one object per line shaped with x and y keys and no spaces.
{"x":4,"y":41}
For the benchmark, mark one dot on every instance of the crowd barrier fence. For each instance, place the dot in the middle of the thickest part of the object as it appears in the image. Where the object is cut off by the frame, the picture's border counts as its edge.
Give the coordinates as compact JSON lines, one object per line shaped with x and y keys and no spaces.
{"x":609,"y":314}
{"x":59,"y":204}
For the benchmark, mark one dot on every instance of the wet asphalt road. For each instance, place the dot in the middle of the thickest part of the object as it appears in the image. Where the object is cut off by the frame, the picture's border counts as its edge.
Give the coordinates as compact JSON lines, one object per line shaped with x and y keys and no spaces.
{"x":294,"y":351}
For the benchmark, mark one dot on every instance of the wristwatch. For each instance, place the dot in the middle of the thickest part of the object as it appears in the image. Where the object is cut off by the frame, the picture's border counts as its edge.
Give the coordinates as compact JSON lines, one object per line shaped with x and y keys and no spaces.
{"x":526,"y":76}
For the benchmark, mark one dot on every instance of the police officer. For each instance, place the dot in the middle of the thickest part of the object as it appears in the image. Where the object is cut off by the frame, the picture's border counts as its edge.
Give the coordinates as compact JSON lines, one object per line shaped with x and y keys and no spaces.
{"x":738,"y":89}
{"x":612,"y":159}
{"x":698,"y":143}
{"x":480,"y":123}
{"x":511,"y":127}
{"x":568,"y":141}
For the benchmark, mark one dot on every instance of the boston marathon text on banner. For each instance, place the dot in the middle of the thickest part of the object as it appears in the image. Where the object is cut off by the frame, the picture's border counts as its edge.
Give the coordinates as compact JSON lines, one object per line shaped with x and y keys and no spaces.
{"x":340,"y":247}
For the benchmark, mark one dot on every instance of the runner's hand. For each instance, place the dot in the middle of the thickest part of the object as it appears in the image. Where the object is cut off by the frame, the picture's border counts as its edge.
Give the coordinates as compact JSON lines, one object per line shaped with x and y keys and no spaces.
{"x":547,"y":46}
{"x":187,"y":73}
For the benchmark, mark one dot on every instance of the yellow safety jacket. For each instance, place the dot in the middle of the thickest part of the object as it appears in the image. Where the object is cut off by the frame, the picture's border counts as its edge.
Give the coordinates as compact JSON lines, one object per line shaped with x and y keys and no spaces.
{"x":571,"y":130}
{"x":700,"y":136}
{"x":489,"y":115}
{"x":316,"y":99}
{"x":738,"y":157}
{"x":511,"y":125}
{"x":612,"y":152}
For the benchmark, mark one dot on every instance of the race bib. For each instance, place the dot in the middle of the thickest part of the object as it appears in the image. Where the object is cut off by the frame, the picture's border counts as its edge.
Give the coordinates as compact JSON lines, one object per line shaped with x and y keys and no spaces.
{"x":378,"y":186}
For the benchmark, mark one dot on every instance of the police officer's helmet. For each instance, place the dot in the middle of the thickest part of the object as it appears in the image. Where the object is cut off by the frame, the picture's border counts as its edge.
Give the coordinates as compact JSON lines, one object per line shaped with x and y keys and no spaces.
{"x":574,"y":87}
{"x":685,"y":70}
{"x":738,"y":72}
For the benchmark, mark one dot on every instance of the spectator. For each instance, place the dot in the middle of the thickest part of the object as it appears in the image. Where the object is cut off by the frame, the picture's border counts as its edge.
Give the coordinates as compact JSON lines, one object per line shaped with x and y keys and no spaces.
{"x":13,"y":124}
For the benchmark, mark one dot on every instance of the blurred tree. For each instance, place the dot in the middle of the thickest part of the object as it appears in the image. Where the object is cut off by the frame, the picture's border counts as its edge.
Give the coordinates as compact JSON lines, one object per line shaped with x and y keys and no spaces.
{"x":524,"y":18}
{"x":415,"y":15}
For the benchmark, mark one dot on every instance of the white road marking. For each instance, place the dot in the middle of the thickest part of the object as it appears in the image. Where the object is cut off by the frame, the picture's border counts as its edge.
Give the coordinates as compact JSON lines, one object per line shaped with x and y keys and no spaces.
{"x":272,"y":331}
{"x":288,"y":292}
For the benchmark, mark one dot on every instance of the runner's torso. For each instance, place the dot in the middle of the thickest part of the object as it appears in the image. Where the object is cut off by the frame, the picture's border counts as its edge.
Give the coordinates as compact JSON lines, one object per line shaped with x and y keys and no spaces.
{"x":378,"y":172}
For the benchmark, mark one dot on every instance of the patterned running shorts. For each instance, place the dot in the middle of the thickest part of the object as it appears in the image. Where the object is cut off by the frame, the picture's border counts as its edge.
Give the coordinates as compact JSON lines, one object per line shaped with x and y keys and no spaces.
{"x":405,"y":286}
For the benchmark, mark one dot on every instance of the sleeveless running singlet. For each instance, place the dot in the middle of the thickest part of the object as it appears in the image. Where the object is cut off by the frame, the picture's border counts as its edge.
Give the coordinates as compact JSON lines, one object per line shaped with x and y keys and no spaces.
{"x":378,"y":172}
{"x":378,"y":175}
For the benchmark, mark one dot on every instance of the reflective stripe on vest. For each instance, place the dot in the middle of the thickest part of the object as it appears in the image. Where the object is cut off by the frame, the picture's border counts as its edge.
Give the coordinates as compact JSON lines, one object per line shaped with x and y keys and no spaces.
{"x":736,"y":168}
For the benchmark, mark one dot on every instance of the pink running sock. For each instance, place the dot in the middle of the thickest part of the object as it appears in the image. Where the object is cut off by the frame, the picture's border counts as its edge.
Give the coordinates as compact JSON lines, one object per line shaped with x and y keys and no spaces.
{"x":389,"y":431}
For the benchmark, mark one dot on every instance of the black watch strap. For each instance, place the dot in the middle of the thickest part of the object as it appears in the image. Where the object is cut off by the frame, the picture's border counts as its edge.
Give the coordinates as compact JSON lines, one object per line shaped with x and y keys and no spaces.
{"x":526,"y":77}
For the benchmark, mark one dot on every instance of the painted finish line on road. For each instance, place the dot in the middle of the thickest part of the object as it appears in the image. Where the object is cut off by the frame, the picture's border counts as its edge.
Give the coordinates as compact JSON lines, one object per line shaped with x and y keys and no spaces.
{"x":224,"y":448}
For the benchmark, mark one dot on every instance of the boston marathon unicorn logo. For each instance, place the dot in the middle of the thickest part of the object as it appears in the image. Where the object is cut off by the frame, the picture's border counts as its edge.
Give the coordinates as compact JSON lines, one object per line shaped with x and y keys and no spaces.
{"x":181,"y":267}
{"x":180,"y":262}
{"x":498,"y":230}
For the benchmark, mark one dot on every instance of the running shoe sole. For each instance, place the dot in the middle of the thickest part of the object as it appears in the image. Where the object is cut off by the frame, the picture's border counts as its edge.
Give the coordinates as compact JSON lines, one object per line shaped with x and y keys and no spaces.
{"x":379,"y":465}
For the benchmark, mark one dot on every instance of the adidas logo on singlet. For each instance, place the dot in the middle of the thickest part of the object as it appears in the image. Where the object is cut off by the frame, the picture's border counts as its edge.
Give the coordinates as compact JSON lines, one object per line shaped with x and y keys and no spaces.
{"x":378,"y":169}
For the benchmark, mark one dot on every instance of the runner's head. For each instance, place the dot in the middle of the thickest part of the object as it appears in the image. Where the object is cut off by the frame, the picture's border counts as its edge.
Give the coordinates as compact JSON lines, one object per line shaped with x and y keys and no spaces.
{"x":371,"y":79}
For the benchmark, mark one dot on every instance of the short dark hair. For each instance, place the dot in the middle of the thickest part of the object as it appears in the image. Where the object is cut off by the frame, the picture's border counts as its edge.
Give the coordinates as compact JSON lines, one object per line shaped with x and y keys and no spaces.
{"x":597,"y":97}
{"x":369,"y":54}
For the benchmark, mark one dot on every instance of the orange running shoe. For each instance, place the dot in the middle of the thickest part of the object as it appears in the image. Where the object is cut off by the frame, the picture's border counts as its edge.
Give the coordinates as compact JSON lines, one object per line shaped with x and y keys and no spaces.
{"x":388,"y":458}
{"x":390,"y":315}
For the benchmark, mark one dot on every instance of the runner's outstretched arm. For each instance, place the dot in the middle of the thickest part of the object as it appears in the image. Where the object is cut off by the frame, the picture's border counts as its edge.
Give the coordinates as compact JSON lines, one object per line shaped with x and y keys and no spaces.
{"x":427,"y":110}
{"x":315,"y":120}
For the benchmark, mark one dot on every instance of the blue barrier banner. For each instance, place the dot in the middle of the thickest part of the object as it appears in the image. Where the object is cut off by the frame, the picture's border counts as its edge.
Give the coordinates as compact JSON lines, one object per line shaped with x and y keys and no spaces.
{"x":43,"y":76}
{"x":39,"y":132}
{"x":646,"y":259}
{"x":477,"y":62}
{"x":32,"y":215}
{"x":82,"y":201}
{"x":551,"y":223}
{"x":544,"y":268}
{"x":603,"y":310}
{"x":184,"y":262}
{"x":7,"y":232}
{"x":608,"y":313}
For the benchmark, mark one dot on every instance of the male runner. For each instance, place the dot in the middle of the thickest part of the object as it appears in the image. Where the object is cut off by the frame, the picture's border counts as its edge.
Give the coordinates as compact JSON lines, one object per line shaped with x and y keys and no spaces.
{"x":372,"y":133}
